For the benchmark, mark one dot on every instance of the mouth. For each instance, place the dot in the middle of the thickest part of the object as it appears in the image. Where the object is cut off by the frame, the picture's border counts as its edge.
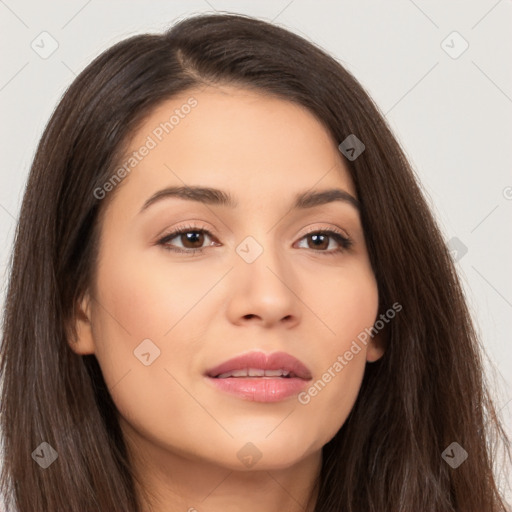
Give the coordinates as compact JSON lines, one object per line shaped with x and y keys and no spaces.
{"x":259,"y":377}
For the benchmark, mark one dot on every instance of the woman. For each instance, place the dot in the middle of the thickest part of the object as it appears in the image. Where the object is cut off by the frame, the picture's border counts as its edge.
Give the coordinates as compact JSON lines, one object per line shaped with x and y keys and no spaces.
{"x":228,"y":293}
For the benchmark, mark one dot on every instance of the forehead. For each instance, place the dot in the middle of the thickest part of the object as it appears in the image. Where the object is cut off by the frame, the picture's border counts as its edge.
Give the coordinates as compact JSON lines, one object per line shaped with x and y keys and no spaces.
{"x":234,"y":139}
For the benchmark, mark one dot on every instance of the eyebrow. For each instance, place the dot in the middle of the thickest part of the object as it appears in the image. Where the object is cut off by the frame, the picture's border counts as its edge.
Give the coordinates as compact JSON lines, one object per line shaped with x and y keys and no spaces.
{"x":217,"y":197}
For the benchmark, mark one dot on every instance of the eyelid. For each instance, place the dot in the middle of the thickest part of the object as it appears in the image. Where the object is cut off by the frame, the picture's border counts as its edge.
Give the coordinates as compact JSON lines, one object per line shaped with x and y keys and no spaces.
{"x":325,"y":228}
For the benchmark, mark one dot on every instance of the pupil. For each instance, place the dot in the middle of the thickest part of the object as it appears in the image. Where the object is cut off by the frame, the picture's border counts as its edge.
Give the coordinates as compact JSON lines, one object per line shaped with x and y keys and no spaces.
{"x":318,"y":238}
{"x":192,"y":236}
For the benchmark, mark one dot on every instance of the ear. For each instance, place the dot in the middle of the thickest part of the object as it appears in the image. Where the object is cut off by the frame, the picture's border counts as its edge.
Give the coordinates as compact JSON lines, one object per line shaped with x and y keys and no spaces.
{"x":83,"y":342}
{"x":377,"y":346}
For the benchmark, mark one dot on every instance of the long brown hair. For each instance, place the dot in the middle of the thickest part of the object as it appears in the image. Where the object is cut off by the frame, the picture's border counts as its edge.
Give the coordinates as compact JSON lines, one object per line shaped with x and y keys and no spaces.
{"x":425,"y":393}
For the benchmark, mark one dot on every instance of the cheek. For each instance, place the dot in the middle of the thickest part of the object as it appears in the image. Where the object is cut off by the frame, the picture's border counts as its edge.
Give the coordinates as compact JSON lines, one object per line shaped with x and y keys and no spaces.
{"x":143,"y":310}
{"x":142,"y":366}
{"x":142,"y":298}
{"x":345,"y":305}
{"x":135,"y":309}
{"x":350,"y":307}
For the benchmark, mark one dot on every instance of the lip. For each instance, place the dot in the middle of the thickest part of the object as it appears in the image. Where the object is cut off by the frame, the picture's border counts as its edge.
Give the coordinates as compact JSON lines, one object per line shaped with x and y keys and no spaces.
{"x":261,"y":389}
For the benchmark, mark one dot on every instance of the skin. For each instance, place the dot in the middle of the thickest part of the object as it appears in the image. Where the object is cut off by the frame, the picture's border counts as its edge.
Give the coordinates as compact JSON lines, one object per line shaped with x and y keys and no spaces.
{"x":183,"y":434}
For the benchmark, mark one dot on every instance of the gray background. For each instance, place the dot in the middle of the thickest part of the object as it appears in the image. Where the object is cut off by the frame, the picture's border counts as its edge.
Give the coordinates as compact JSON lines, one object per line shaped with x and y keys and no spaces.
{"x":451,"y":110}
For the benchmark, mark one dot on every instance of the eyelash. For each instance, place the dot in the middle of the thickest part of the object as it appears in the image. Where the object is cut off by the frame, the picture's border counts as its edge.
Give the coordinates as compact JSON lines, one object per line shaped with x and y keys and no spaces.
{"x":343,"y":241}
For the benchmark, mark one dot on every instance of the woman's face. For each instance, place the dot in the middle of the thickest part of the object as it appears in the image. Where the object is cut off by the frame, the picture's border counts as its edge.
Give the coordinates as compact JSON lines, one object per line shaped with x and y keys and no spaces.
{"x":265,"y":277}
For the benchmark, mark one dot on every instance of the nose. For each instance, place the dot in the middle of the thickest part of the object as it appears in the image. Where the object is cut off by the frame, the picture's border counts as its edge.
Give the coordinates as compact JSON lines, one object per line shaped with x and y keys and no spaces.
{"x":264,"y":292}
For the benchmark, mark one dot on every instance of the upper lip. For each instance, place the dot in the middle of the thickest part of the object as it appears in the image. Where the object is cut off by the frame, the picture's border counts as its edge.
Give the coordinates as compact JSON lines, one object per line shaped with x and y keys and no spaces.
{"x":262,"y":361}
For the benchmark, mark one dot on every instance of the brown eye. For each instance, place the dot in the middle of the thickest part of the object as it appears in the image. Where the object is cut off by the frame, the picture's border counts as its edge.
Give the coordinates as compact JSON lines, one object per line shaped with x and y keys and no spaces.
{"x":192,"y":239}
{"x":189,"y":239}
{"x":319,"y":241}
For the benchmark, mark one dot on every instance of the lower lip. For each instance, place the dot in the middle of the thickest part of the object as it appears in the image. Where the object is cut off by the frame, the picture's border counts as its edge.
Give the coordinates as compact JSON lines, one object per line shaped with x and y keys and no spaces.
{"x":260,"y":389}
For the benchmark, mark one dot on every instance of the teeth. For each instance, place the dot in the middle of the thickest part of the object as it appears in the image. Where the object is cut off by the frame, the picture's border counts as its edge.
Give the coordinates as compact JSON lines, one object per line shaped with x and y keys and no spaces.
{"x":254,"y":372}
{"x":275,"y":373}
